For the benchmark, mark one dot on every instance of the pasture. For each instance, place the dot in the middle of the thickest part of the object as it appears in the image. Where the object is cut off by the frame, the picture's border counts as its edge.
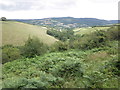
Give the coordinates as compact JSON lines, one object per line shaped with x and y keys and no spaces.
{"x":16,"y":33}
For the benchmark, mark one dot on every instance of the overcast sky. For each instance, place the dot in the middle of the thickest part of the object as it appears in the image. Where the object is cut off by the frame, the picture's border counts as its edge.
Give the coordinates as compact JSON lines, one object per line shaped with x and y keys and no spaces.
{"x":36,"y":9}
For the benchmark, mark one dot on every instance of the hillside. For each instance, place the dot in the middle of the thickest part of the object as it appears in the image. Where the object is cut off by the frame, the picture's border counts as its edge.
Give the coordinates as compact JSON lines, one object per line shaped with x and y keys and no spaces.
{"x":71,"y":69}
{"x":88,"y":61}
{"x":16,"y":33}
{"x":68,"y":22}
{"x":88,"y":30}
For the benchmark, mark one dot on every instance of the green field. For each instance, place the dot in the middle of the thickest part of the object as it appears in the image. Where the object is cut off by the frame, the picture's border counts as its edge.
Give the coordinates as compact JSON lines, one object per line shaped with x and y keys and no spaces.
{"x":88,"y":30}
{"x":17,"y":33}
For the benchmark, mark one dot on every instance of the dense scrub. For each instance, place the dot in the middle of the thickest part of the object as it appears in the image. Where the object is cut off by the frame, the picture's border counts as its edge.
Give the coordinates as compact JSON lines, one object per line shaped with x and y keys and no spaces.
{"x":10,"y":53}
{"x":71,"y":69}
{"x":33,"y":47}
{"x":87,"y":61}
{"x":63,"y":35}
{"x":98,"y":38}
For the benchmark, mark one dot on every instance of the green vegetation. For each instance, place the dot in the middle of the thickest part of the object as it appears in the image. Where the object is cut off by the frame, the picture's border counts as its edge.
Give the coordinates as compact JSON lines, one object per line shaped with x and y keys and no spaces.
{"x":89,"y":30}
{"x":114,"y":33}
{"x":16,"y":33}
{"x":33,"y":47}
{"x":80,"y":61}
{"x":99,"y":38}
{"x":61,"y":35}
{"x":59,"y":46}
{"x":71,"y":69}
{"x":10,"y":53}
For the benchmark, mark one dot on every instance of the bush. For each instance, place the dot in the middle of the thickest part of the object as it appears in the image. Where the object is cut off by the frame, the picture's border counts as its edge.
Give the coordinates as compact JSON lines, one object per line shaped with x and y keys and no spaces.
{"x":68,"y":68}
{"x":33,"y":47}
{"x":59,"y":46}
{"x":10,"y":53}
{"x":94,"y":40}
{"x":113,"y":33}
{"x":97,"y":39}
{"x":63,"y":35}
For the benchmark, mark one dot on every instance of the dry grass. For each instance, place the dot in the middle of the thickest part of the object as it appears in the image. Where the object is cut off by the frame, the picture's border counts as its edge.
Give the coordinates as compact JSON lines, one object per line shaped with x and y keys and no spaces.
{"x":17,"y":33}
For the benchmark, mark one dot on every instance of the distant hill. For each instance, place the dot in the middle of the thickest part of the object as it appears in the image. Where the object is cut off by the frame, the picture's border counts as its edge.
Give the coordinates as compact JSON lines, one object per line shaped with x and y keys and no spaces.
{"x":17,"y":32}
{"x":68,"y":22}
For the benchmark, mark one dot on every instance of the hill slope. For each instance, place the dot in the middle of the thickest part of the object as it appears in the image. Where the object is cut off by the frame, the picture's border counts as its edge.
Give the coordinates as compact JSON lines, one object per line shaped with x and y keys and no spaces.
{"x":71,"y":69}
{"x":16,"y":33}
{"x":88,"y":30}
{"x":68,"y":22}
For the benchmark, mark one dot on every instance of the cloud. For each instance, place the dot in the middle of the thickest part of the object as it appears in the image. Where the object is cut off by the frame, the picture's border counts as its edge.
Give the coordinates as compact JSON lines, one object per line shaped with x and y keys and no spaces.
{"x":28,"y":9}
{"x":119,"y":11}
{"x":15,"y":5}
{"x":104,"y":1}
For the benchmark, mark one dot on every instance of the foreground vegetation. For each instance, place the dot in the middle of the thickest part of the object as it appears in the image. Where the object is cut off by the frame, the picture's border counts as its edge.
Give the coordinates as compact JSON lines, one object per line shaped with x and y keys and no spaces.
{"x":82,"y":61}
{"x":96,"y":68}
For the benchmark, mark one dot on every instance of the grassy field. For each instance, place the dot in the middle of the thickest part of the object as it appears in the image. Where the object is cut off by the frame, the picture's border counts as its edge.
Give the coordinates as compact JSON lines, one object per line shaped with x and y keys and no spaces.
{"x":88,"y":30}
{"x":16,"y":33}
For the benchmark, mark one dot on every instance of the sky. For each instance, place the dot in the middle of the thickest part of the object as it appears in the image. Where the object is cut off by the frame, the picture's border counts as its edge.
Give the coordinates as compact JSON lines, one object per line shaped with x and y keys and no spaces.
{"x":37,"y":9}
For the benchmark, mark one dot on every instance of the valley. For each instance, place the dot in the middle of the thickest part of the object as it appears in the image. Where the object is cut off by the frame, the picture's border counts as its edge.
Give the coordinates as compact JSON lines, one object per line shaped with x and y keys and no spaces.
{"x":45,"y":56}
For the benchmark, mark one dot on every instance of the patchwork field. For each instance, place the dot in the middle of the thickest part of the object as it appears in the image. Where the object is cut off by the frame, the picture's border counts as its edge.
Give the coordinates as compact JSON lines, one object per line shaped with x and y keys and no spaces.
{"x":17,"y":33}
{"x":88,"y":30}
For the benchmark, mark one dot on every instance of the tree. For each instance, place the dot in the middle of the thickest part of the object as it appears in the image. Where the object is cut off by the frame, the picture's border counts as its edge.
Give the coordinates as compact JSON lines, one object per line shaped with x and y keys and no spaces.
{"x":59,"y":46}
{"x":33,"y":47}
{"x":3,"y":18}
{"x":10,"y":53}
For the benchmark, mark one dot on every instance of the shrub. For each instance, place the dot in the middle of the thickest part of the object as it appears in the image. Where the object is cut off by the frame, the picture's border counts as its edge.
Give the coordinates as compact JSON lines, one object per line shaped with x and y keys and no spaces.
{"x":68,"y":67}
{"x":94,"y":40}
{"x":63,"y":35}
{"x":112,"y":66}
{"x":14,"y":82}
{"x":10,"y":53}
{"x":97,"y":39}
{"x":113,"y":33}
{"x":33,"y":47}
{"x":59,"y":46}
